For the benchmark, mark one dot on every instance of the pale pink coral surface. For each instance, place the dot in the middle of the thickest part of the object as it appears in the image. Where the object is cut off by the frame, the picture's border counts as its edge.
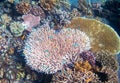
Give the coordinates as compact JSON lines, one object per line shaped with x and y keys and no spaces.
{"x":31,"y":21}
{"x":47,"y":51}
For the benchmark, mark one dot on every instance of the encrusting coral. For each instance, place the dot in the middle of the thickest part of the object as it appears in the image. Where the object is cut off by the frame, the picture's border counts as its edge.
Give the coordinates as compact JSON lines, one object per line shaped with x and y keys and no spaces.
{"x":102,"y":36}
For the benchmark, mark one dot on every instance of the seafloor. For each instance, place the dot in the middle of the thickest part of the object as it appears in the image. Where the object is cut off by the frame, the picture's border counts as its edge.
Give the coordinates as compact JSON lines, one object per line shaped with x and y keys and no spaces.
{"x":59,"y":41}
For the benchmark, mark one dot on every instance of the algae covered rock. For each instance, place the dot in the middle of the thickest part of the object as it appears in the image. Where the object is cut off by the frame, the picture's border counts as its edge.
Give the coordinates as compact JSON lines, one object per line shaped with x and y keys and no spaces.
{"x":102,"y":36}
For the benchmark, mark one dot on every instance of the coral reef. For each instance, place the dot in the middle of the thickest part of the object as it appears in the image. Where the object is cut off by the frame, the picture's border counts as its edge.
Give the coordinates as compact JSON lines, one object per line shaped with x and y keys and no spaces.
{"x":51,"y":4}
{"x":23,"y":8}
{"x":99,"y":33}
{"x":107,"y":59}
{"x":80,"y":74}
{"x":50,"y":51}
{"x":5,"y":38}
{"x":5,"y":19}
{"x":89,"y":56}
{"x":37,"y":11}
{"x":60,"y":18}
{"x":16,"y":28}
{"x":30,"y":21}
{"x":106,"y":75}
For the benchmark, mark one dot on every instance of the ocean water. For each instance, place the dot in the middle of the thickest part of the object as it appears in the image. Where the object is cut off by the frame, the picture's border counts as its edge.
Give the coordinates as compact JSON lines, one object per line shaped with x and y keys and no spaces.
{"x":59,"y":41}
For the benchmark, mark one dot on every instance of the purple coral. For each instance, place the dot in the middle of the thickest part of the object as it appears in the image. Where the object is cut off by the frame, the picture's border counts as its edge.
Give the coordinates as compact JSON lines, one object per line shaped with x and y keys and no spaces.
{"x":47,"y":51}
{"x":31,"y":21}
{"x":89,"y":56}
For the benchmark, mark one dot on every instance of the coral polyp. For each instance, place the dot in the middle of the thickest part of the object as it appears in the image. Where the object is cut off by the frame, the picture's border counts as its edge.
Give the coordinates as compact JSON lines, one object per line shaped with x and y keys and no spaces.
{"x":47,"y":51}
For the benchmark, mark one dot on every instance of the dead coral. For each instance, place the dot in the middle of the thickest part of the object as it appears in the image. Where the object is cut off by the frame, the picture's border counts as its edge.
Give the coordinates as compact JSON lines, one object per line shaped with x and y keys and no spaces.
{"x":102,"y":36}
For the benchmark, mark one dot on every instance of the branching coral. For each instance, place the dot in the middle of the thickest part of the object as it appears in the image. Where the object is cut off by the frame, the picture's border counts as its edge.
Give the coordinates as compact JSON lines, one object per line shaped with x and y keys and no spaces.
{"x":107,"y":59}
{"x":47,"y":51}
{"x":89,"y":56}
{"x":5,"y":38}
{"x":23,"y":8}
{"x":99,"y":33}
{"x":80,"y":74}
{"x":50,"y":4}
{"x":5,"y":19}
{"x":37,"y":11}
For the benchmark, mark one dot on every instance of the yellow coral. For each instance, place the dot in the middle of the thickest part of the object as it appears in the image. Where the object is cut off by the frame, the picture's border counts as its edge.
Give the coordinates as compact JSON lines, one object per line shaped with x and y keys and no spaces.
{"x":83,"y":66}
{"x":102,"y":36}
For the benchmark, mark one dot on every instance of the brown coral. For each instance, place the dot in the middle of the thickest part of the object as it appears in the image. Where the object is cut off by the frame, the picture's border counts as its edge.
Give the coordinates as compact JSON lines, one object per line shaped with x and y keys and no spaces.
{"x":102,"y":36}
{"x":81,"y":73}
{"x":48,"y":4}
{"x":23,"y":8}
{"x":72,"y":76}
{"x":107,"y":59}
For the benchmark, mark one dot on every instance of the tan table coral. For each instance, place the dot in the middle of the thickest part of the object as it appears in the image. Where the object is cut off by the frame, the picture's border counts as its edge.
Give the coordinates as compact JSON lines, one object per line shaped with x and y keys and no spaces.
{"x":102,"y":36}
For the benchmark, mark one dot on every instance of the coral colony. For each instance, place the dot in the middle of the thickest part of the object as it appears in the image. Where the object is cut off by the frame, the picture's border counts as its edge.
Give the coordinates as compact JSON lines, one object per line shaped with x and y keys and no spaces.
{"x":59,"y":41}
{"x":47,"y":51}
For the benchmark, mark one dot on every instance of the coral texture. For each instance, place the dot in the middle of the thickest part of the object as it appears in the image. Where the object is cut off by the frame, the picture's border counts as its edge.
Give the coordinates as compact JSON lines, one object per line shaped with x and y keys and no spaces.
{"x":5,"y":38}
{"x":89,"y":56}
{"x":107,"y":59}
{"x":23,"y":8}
{"x":80,"y":74}
{"x":16,"y":28}
{"x":47,"y":51}
{"x":99,"y":33}
{"x":37,"y":11}
{"x":30,"y":21}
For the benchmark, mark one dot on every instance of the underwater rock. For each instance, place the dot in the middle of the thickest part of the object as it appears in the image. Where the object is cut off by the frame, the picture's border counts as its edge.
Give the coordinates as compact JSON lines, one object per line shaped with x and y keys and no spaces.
{"x":107,"y":59}
{"x":16,"y":28}
{"x":47,"y":51}
{"x":102,"y":36}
